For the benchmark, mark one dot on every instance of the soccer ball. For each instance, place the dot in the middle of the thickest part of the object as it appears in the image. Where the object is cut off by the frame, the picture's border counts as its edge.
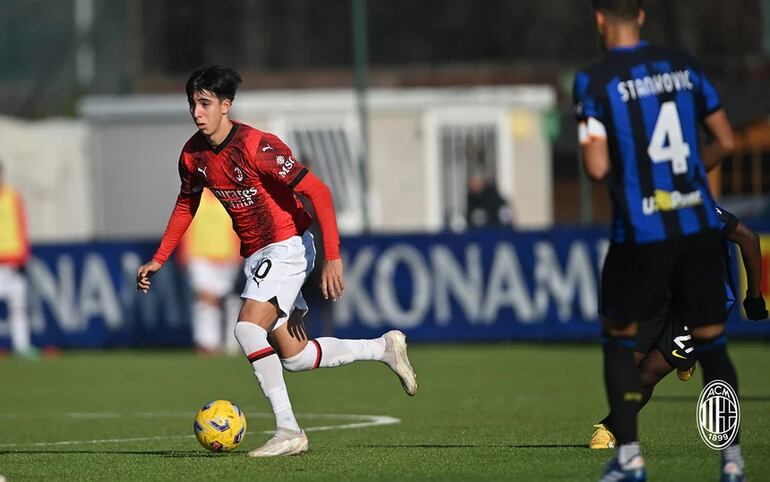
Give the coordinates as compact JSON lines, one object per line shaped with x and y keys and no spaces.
{"x":220,"y":426}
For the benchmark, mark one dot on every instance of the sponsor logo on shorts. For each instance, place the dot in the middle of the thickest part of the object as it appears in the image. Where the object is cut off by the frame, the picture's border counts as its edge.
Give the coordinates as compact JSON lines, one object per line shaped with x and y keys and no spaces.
{"x":675,"y":352}
{"x":718,"y":415}
{"x":682,"y":341}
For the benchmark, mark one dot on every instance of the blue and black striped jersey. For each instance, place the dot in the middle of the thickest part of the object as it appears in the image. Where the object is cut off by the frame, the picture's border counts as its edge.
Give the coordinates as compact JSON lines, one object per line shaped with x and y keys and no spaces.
{"x":650,"y":101}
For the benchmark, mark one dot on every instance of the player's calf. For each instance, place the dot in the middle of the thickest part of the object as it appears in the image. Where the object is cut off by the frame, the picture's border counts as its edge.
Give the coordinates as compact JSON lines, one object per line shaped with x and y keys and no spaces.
{"x":327,"y":352}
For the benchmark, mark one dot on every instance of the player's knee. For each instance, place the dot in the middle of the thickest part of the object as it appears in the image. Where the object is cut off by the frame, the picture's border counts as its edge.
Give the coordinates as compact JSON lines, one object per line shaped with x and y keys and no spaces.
{"x":708,"y":331}
{"x":295,"y":365}
{"x":262,"y":314}
{"x":302,"y":361}
{"x":650,"y":378}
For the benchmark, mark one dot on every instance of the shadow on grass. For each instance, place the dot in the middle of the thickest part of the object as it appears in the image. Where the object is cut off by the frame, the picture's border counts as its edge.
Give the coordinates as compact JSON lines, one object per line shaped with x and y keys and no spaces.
{"x":155,"y":453}
{"x":693,"y":399}
{"x":181,"y":454}
{"x":476,"y":446}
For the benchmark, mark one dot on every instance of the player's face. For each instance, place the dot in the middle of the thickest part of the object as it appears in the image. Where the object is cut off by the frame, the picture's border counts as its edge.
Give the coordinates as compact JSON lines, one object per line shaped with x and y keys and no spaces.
{"x":208,"y":111}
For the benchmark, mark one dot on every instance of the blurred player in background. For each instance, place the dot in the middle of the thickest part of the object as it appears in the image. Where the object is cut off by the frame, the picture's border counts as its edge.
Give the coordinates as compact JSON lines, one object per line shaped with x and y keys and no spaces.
{"x":639,"y":109}
{"x":14,"y":253}
{"x":211,"y":252}
{"x":664,"y":344}
{"x":256,"y":178}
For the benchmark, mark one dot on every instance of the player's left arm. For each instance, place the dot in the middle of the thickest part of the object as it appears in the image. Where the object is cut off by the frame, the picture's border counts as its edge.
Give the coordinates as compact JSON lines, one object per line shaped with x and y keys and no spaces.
{"x":319,"y":194}
{"x":591,"y":131}
{"x":709,"y":110}
{"x":723,"y":142}
{"x":748,"y":242}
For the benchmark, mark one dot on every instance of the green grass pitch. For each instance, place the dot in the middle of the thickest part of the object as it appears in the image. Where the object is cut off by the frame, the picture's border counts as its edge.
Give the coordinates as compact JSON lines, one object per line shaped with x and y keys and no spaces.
{"x":483,"y":412}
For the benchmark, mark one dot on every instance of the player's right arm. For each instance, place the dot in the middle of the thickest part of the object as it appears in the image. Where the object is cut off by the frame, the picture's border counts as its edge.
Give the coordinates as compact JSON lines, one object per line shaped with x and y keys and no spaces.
{"x":181,"y":217}
{"x":591,"y":131}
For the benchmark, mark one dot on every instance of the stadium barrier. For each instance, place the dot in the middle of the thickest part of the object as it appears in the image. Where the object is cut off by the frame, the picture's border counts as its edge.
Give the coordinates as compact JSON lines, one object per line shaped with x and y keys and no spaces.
{"x":481,"y":285}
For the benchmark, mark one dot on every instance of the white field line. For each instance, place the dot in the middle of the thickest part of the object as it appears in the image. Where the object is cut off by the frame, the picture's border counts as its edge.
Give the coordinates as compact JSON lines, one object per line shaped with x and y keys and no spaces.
{"x":363,"y":422}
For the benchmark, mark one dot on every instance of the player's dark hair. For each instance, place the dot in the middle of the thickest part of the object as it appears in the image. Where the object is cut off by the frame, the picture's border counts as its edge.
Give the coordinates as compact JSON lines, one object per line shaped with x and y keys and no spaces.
{"x":620,"y":9}
{"x":220,"y":81}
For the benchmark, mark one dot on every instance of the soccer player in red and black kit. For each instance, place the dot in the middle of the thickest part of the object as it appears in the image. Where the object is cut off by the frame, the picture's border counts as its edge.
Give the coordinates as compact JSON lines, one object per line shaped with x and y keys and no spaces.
{"x":639,"y":109}
{"x":256,"y":178}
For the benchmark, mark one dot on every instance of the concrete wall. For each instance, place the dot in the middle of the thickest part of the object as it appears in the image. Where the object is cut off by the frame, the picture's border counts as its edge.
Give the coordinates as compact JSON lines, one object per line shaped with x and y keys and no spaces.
{"x":47,"y":162}
{"x":397,"y":172}
{"x":134,"y":145}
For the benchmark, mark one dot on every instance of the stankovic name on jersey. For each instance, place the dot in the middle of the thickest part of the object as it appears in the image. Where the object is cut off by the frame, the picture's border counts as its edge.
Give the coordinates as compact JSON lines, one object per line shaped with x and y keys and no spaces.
{"x":657,"y":84}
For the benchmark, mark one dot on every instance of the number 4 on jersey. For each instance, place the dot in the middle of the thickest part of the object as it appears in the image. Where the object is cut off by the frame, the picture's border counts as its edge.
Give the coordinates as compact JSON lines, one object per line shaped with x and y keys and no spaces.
{"x":668,"y":127}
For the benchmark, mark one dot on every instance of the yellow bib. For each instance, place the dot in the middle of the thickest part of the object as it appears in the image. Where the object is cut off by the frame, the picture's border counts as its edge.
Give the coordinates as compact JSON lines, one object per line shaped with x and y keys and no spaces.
{"x":12,"y":237}
{"x":211,"y":233}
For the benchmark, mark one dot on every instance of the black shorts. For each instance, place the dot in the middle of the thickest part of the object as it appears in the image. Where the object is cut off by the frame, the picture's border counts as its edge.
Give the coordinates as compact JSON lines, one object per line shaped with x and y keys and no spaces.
{"x":637,"y":279}
{"x":671,"y":337}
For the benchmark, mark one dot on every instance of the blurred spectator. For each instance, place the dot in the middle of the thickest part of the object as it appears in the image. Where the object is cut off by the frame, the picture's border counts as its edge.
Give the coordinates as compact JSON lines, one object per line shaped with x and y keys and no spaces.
{"x":211,"y":252}
{"x":486,"y":207}
{"x":14,"y":253}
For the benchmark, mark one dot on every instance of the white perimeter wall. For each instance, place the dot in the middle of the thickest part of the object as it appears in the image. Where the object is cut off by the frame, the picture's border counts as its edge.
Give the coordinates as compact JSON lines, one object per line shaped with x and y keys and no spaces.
{"x":48,"y":162}
{"x":113,"y":173}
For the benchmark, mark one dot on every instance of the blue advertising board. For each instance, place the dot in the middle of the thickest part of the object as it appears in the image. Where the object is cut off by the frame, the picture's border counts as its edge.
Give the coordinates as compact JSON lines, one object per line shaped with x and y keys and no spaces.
{"x":476,"y":286}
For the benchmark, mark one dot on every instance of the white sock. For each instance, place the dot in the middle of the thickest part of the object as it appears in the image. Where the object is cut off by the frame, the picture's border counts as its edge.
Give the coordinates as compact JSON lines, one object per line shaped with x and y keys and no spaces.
{"x":267,"y":368}
{"x":206,"y":325}
{"x":232,"y":306}
{"x":19,"y":323}
{"x":329,"y":352}
{"x":628,"y":451}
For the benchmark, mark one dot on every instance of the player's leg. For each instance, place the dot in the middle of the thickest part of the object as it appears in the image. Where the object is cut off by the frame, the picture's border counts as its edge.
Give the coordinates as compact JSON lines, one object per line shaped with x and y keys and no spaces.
{"x":602,"y":437}
{"x":256,"y":319}
{"x":274,"y":279}
{"x":653,"y":369}
{"x":206,"y":322}
{"x":298,"y":353}
{"x":16,"y":291}
{"x":711,"y":349}
{"x":672,"y":350}
{"x":705,"y":311}
{"x":623,"y":384}
{"x":209,"y":282}
{"x":633,"y":288}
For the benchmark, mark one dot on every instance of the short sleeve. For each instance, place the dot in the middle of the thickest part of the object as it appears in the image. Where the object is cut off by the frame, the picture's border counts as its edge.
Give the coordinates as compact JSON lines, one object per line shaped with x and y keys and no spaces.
{"x":586,"y":104}
{"x":727,"y":220}
{"x":273,"y":158}
{"x":707,"y":98}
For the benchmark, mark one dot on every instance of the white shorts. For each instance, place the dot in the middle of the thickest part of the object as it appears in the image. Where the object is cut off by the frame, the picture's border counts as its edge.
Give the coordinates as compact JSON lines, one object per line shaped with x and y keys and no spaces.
{"x":215,"y":278}
{"x":278,"y":271}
